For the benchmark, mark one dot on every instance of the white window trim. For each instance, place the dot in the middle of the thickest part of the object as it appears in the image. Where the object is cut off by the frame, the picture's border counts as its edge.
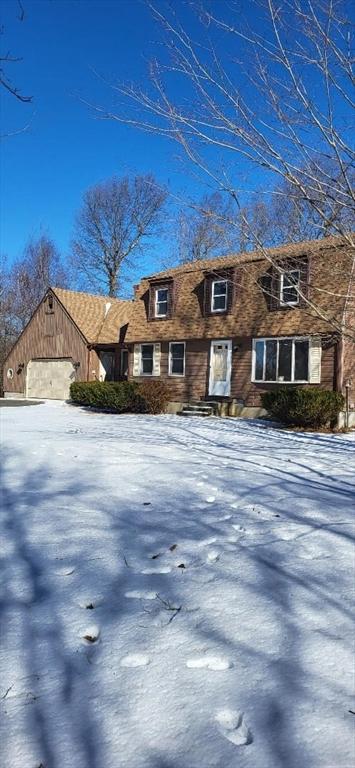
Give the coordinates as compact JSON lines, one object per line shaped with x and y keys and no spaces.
{"x":215,"y":311}
{"x":295,"y":285}
{"x":176,"y":375}
{"x":281,"y":338}
{"x":149,"y":375}
{"x":156,"y":303}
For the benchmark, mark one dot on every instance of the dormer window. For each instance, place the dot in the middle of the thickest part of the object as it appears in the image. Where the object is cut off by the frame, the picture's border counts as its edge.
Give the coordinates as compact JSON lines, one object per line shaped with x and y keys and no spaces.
{"x":219,"y":295}
{"x":161,"y":302}
{"x":289,"y":288}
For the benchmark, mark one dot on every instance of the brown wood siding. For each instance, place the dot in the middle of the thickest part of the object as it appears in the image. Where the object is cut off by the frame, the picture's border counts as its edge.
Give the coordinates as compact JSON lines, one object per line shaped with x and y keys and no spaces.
{"x":42,"y":338}
{"x":194,"y":385}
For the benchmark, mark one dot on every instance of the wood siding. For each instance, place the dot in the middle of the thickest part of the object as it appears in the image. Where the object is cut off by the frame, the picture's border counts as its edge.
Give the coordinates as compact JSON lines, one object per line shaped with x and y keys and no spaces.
{"x":48,"y":335}
{"x":194,"y":385}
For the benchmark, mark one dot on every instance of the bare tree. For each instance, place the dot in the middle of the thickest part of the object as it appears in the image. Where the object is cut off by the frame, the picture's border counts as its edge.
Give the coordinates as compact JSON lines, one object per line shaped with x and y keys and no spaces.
{"x":117,"y":220}
{"x":30,"y":276}
{"x":205,"y":229}
{"x":274,"y":94}
{"x":7,"y":62}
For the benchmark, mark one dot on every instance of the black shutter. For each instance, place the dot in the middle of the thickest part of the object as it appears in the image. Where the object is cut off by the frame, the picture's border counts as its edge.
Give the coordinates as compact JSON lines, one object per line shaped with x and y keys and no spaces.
{"x":207,"y":295}
{"x":304,"y":268}
{"x":169,"y":312}
{"x":274,"y":289}
{"x":151,"y":303}
{"x":231,"y":289}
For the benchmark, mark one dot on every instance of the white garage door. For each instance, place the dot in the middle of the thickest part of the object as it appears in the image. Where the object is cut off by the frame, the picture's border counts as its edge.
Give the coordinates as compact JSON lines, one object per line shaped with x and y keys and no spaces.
{"x":49,"y":379}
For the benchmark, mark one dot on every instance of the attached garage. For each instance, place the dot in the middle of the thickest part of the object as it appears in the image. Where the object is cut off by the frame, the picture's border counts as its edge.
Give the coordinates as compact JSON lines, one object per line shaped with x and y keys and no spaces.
{"x":49,"y":379}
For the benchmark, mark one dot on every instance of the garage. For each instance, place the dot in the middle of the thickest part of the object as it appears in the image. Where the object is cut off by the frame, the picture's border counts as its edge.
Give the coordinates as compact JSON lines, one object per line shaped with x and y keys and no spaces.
{"x":49,"y":379}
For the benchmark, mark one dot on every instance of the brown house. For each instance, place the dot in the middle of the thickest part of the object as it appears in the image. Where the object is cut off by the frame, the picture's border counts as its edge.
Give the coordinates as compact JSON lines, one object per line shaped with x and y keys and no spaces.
{"x":231,"y":328}
{"x":224,"y":330}
{"x":71,"y":336}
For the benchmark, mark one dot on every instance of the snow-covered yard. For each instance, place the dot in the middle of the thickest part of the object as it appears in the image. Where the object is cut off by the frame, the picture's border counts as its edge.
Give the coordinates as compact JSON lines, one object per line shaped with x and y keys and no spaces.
{"x":212,"y":560}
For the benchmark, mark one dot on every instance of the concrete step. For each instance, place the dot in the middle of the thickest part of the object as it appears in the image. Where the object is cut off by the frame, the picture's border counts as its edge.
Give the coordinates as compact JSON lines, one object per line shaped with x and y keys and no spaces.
{"x":197,"y":407}
{"x":196,"y":412}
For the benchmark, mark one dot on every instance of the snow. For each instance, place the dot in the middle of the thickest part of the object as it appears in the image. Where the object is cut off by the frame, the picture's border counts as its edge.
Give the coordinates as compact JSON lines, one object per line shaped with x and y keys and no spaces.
{"x":176,"y":593}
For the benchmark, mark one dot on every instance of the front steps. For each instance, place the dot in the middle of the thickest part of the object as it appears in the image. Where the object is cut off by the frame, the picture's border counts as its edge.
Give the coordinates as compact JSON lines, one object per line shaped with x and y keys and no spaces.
{"x":201,"y":409}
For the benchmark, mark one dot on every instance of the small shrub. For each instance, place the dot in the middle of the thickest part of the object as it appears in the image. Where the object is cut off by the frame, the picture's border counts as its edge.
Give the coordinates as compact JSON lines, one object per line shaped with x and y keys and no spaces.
{"x":116,"y":396}
{"x":121,"y":396}
{"x":152,"y":396}
{"x":303,"y":407}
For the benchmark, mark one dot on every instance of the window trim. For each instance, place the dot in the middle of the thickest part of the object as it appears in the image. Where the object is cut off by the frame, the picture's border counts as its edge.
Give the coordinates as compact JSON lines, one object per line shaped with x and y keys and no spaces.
{"x":156,"y":302}
{"x":278,"y":339}
{"x":176,"y":375}
{"x":214,"y":282}
{"x":295,"y":285}
{"x":147,"y":344}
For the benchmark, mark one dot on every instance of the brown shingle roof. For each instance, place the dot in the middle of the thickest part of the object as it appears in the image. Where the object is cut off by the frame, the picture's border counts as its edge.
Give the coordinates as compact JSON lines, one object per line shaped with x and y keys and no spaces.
{"x":99,"y":318}
{"x":233,"y":259}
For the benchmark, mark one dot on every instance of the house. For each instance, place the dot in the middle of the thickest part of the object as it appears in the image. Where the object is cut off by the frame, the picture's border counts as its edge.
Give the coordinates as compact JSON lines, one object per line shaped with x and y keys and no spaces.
{"x":226,"y":330}
{"x":231,"y":328}
{"x":71,"y":336}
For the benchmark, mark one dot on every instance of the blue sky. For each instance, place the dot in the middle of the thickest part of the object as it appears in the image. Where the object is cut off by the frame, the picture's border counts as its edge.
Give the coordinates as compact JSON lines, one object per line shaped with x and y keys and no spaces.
{"x":65,"y":150}
{"x":46,"y":169}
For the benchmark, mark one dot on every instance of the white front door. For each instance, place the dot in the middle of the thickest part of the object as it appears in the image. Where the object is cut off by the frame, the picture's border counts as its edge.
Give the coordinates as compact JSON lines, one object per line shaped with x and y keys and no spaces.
{"x":220,"y":368}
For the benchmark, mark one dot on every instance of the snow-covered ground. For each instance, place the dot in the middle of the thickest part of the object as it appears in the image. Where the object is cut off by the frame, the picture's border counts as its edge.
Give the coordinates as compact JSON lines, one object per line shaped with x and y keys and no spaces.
{"x":210,"y":566}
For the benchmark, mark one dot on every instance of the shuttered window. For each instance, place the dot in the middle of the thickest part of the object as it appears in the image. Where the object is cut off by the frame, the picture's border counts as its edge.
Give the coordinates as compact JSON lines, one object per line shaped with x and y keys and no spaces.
{"x":146,"y":360}
{"x":287,"y":360}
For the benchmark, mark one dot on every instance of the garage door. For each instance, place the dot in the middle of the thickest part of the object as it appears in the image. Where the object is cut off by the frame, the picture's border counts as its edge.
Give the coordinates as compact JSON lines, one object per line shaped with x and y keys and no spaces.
{"x":49,"y":379}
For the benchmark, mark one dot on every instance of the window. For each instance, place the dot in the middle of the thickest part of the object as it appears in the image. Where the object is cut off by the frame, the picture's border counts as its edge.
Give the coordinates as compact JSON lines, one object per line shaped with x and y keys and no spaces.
{"x":281,"y":360}
{"x":219,"y":296}
{"x":177,"y":358}
{"x":161,"y":302}
{"x":147,"y":357}
{"x":289,"y":284}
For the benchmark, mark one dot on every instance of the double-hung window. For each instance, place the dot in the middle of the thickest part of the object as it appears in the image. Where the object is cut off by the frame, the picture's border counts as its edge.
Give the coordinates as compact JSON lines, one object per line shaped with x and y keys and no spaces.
{"x":219,"y":296}
{"x":281,"y":360}
{"x":289,"y":285}
{"x":161,"y":302}
{"x":177,"y":358}
{"x":147,"y":358}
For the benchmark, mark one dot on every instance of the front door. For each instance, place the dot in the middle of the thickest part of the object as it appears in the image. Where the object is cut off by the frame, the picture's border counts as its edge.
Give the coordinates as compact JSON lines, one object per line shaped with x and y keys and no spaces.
{"x":220,"y":368}
{"x":107,"y":366}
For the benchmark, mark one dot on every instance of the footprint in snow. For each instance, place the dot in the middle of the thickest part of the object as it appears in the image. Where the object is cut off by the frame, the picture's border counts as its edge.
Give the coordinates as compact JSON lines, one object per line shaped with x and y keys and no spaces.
{"x":216,"y":663}
{"x":213,"y":555}
{"x":206,"y":542}
{"x":91,"y":634}
{"x":65,"y":570}
{"x":137,"y":595}
{"x":135,"y":660}
{"x":232,"y":726}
